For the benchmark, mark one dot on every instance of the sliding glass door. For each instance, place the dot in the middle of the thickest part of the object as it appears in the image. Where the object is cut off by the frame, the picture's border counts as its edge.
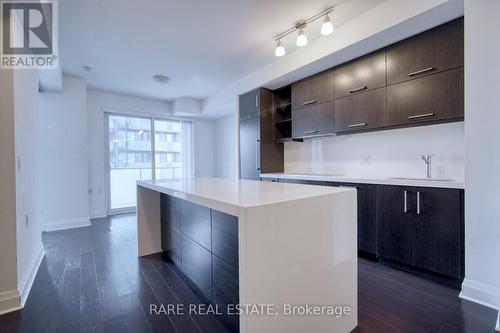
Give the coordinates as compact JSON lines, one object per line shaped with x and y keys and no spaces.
{"x":144,"y":148}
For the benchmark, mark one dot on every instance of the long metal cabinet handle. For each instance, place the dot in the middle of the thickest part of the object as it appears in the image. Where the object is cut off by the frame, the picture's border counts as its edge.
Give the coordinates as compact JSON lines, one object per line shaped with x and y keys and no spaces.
{"x":355,"y":90}
{"x":358,"y":125}
{"x":405,"y":202}
{"x":257,"y":150}
{"x":256,"y":101}
{"x":424,"y":115}
{"x":425,"y":70}
{"x":418,"y":202}
{"x":310,"y":132}
{"x":310,"y":102}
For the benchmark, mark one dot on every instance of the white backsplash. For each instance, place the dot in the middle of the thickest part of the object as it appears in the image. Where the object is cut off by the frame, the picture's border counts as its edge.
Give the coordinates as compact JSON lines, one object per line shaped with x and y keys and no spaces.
{"x":389,"y":153}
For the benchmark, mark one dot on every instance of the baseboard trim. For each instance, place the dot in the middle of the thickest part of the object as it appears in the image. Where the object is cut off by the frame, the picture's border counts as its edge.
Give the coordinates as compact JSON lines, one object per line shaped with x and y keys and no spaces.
{"x":480,"y":293}
{"x":10,"y":301}
{"x":68,"y":224}
{"x":25,"y":290}
{"x":98,"y":214}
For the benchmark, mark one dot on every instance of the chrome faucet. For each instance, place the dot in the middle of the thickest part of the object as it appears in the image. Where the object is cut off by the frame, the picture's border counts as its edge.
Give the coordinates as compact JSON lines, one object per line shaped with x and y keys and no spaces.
{"x":428,"y":161}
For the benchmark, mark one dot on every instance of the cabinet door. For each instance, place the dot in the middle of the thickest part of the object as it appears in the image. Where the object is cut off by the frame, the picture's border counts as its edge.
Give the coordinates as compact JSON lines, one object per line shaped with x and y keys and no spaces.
{"x":250,"y":148}
{"x":367,"y":217}
{"x":360,"y":75}
{"x":361,"y":112}
{"x":438,"y":243}
{"x":225,"y":290}
{"x":249,"y":104}
{"x":196,"y":223}
{"x":394,"y":236}
{"x":313,"y":90}
{"x":197,"y":265}
{"x":436,"y":98}
{"x":430,"y":52}
{"x":225,"y":237}
{"x":314,"y":120}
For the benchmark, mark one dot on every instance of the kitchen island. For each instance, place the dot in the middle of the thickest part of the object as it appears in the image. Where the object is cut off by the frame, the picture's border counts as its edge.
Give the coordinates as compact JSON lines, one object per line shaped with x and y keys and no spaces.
{"x":286,"y":253}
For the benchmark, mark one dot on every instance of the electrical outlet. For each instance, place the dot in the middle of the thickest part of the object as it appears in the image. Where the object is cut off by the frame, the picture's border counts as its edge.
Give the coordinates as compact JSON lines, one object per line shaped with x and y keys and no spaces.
{"x":365,"y":160}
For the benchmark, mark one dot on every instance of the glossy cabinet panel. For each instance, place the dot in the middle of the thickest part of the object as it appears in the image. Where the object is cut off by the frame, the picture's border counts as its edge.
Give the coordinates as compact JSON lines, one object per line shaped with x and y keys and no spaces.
{"x":430,"y":52}
{"x":360,"y":112}
{"x":197,"y":265}
{"x":225,"y":237}
{"x":315,"y":120}
{"x":313,"y":90}
{"x":195,"y":223}
{"x":361,"y":75}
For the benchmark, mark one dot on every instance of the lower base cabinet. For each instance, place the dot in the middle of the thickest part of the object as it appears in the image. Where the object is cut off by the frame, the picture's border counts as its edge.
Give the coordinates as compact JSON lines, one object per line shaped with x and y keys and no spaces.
{"x":203,"y":244}
{"x":422,"y":227}
{"x":418,"y":226}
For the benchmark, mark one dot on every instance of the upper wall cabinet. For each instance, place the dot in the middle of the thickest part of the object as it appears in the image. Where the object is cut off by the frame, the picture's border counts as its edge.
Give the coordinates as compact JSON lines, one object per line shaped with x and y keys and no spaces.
{"x":430,"y":52}
{"x":313,"y":90}
{"x":360,"y":75}
{"x":436,"y":98}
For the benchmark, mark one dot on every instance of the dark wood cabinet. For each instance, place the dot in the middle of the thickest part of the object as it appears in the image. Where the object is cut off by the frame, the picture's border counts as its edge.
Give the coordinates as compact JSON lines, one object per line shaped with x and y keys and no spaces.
{"x":437,"y":231}
{"x":225,"y":237}
{"x":197,"y":265}
{"x":315,"y":120}
{"x":433,"y":51}
{"x":170,"y":228}
{"x":394,"y":236}
{"x":225,"y":290}
{"x":422,"y":227}
{"x":316,"y":89}
{"x":361,"y":75}
{"x":432,"y":98}
{"x":196,"y":223}
{"x":259,"y":153}
{"x":364,"y":111}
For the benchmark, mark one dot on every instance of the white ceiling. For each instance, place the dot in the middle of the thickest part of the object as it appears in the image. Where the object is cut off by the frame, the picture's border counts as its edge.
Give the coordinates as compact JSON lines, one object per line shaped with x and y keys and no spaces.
{"x":202,"y":46}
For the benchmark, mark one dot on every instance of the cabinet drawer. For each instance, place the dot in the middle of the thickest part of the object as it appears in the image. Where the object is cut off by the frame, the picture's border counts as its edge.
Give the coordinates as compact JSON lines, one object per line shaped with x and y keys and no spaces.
{"x":171,"y":243}
{"x":225,"y":290}
{"x":313,"y":90}
{"x":314,"y":120}
{"x":432,"y":98}
{"x":225,"y":237}
{"x":433,"y":51}
{"x":363,"y":111}
{"x":197,"y":265}
{"x":195,"y":221}
{"x":360,"y":75}
{"x":171,"y":211}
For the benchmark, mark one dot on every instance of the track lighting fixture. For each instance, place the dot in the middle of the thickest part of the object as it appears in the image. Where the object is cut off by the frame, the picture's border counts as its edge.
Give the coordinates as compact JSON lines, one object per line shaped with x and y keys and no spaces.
{"x":326,"y":29}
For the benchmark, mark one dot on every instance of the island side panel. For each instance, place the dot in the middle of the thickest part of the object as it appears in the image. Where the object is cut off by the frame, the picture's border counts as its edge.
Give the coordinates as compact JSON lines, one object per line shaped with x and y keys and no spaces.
{"x":148,"y":221}
{"x":301,"y":252}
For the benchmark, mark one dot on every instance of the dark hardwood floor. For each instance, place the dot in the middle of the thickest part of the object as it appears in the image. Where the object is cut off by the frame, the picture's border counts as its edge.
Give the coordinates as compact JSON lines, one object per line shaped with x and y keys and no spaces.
{"x":91,"y":281}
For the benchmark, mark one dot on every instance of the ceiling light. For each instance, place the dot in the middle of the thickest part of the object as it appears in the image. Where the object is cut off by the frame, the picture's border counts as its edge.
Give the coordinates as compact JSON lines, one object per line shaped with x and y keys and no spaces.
{"x":280,"y":49}
{"x":327,"y":27}
{"x":161,"y":78}
{"x":301,"y":39}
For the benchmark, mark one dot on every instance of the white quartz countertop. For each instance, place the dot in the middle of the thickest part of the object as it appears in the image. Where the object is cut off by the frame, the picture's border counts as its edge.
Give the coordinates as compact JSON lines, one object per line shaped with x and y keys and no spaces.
{"x":368,"y":180}
{"x":237,"y":193}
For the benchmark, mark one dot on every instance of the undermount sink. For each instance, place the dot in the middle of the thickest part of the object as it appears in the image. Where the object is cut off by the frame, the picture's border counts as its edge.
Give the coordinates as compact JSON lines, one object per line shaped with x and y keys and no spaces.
{"x":425,"y":179}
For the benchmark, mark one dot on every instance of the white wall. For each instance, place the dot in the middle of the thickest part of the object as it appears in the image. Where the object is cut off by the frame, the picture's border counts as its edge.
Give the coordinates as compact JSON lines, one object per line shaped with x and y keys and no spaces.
{"x":62,"y":163}
{"x":9,"y":296}
{"x":225,"y":146}
{"x":117,"y":103}
{"x":482,"y":152}
{"x":204,"y":162}
{"x":28,"y":230}
{"x":390,"y":153}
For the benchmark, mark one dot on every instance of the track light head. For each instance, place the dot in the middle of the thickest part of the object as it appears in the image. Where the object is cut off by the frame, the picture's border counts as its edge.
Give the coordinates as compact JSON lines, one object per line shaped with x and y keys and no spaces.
{"x":327,"y":27}
{"x":301,"y":39}
{"x":280,"y":49}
